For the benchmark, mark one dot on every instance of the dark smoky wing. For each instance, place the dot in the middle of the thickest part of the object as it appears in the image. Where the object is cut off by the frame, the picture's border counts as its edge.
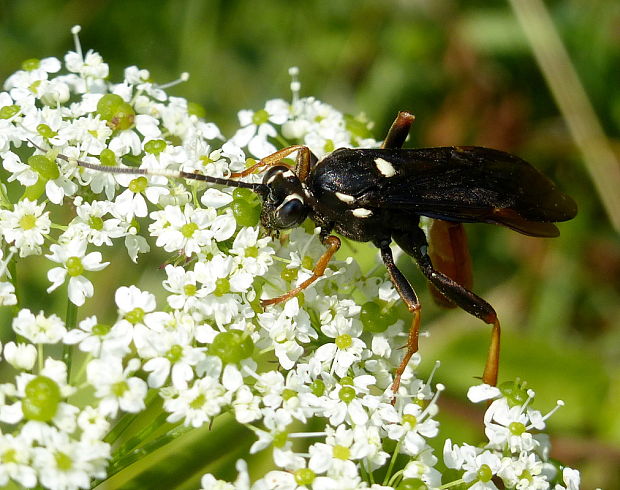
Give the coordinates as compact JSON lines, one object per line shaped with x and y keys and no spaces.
{"x":472,"y":184}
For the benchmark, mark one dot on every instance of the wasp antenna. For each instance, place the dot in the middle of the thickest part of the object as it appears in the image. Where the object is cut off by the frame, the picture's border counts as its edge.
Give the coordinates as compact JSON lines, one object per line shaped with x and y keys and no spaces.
{"x":260,"y":189}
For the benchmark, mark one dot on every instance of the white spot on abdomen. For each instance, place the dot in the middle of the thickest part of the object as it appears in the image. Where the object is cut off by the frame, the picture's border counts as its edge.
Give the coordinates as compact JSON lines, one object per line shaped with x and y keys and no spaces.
{"x":385,"y":167}
{"x":345,"y":197}
{"x":362,"y":213}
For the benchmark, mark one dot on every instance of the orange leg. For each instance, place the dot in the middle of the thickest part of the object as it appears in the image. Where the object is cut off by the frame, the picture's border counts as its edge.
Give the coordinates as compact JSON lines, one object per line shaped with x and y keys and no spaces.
{"x":408,"y":295}
{"x":491,"y":368}
{"x":414,"y":244}
{"x":412,"y":348}
{"x":274,"y":159}
{"x":333,"y":244}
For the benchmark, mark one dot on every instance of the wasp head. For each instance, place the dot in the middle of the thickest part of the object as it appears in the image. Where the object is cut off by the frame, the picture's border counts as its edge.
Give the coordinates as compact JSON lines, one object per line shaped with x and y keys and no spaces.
{"x":284,"y":206}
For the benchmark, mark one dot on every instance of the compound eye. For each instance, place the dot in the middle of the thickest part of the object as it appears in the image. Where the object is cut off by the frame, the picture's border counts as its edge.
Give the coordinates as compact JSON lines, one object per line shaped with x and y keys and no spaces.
{"x":291,"y":214}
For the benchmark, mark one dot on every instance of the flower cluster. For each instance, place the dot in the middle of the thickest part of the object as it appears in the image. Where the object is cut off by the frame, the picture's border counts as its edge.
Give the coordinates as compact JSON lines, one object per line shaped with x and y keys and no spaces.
{"x":197,"y":343}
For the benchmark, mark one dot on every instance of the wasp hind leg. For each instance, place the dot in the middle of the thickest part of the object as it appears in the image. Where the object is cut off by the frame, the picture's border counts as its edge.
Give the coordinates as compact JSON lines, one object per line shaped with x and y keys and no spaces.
{"x":414,"y":244}
{"x":408,"y":295}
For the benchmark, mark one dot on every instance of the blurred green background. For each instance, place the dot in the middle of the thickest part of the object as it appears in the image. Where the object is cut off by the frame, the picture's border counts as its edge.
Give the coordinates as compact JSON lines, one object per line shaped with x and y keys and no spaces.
{"x":467,"y":71}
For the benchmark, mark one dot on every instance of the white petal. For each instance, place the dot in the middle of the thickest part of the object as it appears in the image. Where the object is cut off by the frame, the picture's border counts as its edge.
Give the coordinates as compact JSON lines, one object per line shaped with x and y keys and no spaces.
{"x":482,"y":392}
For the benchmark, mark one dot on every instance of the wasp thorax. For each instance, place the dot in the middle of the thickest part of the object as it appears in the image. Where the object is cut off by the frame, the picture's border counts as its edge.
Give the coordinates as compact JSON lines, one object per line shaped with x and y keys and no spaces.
{"x":284,"y":206}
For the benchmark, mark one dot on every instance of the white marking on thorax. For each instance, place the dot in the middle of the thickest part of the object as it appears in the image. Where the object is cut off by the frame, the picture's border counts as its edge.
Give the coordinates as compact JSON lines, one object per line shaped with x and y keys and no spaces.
{"x":385,"y":167}
{"x":282,"y":173}
{"x":345,"y":197}
{"x":288,"y":173}
{"x":362,"y":213}
{"x":306,"y":190}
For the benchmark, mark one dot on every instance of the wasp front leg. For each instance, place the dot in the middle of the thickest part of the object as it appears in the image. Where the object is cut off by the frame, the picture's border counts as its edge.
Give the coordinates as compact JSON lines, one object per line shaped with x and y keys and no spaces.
{"x":414,"y":243}
{"x":304,"y":161}
{"x":333,"y":244}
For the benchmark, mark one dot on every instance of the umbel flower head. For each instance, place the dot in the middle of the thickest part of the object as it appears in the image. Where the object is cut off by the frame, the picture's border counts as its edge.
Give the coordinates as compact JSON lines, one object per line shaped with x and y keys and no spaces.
{"x":196,"y":344}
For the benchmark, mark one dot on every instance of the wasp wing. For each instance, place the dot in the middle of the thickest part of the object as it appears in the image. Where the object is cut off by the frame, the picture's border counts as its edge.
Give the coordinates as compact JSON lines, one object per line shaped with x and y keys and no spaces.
{"x":462,"y":184}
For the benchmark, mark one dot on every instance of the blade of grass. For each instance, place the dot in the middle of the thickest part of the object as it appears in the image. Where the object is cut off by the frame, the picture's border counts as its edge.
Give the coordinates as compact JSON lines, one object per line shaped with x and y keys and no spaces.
{"x":571,"y":98}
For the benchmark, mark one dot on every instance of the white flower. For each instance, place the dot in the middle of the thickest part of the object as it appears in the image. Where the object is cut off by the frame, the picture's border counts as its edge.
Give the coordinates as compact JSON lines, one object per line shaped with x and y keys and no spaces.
{"x":16,"y":457}
{"x":288,"y":328}
{"x":39,"y":329}
{"x":20,"y":356}
{"x":115,"y":387}
{"x":53,"y":92}
{"x":291,"y":393}
{"x":276,"y":423}
{"x":479,"y":465}
{"x":198,"y":404}
{"x":99,"y":339}
{"x":208,"y":482}
{"x":335,"y":455}
{"x":347,"y":347}
{"x":93,"y":423}
{"x":246,"y":405}
{"x":215,"y":198}
{"x":257,"y":127}
{"x":131,"y":202}
{"x":18,"y":170}
{"x":90,"y":224}
{"x":571,"y":478}
{"x":63,"y":463}
{"x":413,"y":427}
{"x":187,"y":295}
{"x":423,"y":469}
{"x":216,"y":276}
{"x":26,"y":226}
{"x":7,"y":294}
{"x":91,"y":132}
{"x":507,"y":427}
{"x":175,"y":357}
{"x":7,"y":289}
{"x":524,"y":472}
{"x":187,"y":230}
{"x":89,"y":66}
{"x":349,"y":401}
{"x":255,"y":256}
{"x":74,"y":262}
{"x":136,"y":309}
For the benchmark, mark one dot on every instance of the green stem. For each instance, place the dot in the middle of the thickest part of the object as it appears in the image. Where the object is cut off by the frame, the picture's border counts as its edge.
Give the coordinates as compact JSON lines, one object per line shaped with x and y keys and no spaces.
{"x":452,"y":484}
{"x":395,"y":477}
{"x":147,"y":449}
{"x":140,"y":437}
{"x":11,"y":267}
{"x":40,"y":356}
{"x":120,"y":426}
{"x":280,"y":139}
{"x":70,"y":323}
{"x":5,"y":202}
{"x":126,"y":420}
{"x":83,"y":365}
{"x":392,"y":462}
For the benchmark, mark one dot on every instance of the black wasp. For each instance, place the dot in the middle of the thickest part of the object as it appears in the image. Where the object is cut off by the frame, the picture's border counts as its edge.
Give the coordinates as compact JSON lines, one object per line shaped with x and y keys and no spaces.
{"x":379,"y":195}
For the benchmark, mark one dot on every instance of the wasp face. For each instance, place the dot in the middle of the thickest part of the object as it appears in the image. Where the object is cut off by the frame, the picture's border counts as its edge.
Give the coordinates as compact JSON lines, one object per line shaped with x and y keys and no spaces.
{"x":284,"y":206}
